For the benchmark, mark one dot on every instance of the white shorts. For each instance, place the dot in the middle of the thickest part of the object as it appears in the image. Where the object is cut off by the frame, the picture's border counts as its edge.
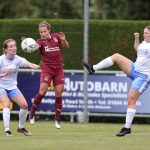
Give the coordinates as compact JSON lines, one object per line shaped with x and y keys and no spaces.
{"x":140,"y":81}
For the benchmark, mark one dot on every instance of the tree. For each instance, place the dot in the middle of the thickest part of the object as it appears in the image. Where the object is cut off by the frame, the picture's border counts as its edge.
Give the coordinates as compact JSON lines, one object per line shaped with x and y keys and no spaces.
{"x":16,"y":9}
{"x":120,"y":9}
{"x":73,"y":9}
{"x":59,"y":8}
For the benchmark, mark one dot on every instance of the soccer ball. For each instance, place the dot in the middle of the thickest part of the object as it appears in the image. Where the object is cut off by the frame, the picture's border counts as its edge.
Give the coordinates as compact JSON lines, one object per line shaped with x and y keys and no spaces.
{"x":28,"y":45}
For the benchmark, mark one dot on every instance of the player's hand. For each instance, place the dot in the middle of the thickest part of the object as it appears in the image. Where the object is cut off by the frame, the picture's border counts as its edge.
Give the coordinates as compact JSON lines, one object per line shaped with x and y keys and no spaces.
{"x":7,"y":72}
{"x":22,"y":38}
{"x":64,"y":42}
{"x":136,"y":35}
{"x":62,"y":36}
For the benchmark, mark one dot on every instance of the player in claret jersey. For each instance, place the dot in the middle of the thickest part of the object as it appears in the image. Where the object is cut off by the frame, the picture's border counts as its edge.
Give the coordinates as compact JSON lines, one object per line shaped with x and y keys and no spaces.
{"x":52,"y":68}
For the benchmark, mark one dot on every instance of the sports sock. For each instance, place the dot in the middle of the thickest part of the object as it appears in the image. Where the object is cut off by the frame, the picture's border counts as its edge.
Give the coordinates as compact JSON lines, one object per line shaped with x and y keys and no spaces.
{"x":129,"y":117}
{"x":107,"y":62}
{"x":22,"y":118}
{"x":37,"y":101}
{"x":58,"y":107}
{"x":6,"y":118}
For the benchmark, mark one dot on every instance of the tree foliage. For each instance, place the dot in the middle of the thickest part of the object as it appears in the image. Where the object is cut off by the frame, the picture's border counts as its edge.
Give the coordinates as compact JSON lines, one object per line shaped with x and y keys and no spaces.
{"x":121,"y":9}
{"x":73,"y":9}
{"x":41,"y":9}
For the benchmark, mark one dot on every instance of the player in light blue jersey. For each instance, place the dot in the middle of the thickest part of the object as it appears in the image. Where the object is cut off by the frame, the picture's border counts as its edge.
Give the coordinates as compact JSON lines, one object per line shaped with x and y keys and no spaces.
{"x":139,"y":72}
{"x":10,"y":62}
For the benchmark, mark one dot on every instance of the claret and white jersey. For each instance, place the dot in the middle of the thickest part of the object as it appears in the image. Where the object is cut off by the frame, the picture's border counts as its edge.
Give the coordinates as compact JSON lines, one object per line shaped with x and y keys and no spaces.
{"x":9,"y":82}
{"x":142,"y":63}
{"x":50,"y":50}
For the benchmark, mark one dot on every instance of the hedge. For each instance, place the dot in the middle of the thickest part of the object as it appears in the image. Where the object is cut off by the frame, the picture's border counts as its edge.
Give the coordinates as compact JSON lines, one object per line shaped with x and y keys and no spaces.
{"x":105,"y":38}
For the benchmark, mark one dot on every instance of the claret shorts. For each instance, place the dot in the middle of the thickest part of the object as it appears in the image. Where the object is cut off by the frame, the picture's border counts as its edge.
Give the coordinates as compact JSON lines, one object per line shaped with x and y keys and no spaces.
{"x":49,"y":74}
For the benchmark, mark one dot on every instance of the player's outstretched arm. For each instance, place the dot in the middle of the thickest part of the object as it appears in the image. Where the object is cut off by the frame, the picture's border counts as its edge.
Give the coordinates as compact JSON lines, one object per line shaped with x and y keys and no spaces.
{"x":32,"y":66}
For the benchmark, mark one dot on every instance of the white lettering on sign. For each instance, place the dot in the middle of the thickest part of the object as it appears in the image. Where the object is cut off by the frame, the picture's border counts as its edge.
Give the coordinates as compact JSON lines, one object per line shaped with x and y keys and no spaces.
{"x":96,"y":86}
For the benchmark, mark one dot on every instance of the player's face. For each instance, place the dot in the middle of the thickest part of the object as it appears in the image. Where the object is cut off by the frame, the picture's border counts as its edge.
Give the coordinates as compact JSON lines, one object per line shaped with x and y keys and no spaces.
{"x":11,"y":48}
{"x":146,"y":34}
{"x":44,"y":32}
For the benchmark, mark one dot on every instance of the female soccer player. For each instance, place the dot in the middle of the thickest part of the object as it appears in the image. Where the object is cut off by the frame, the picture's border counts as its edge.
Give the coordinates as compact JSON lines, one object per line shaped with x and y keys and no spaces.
{"x":10,"y":62}
{"x":139,"y":72}
{"x":52,"y":68}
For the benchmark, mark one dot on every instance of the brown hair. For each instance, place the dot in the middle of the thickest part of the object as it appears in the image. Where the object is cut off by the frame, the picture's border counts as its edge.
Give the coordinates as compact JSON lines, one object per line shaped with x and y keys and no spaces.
{"x":44,"y":23}
{"x":5,"y":44}
{"x":148,"y":27}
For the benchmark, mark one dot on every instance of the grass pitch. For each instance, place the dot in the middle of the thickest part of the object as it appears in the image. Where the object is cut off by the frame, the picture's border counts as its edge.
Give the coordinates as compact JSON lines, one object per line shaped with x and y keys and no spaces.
{"x":74,"y":136}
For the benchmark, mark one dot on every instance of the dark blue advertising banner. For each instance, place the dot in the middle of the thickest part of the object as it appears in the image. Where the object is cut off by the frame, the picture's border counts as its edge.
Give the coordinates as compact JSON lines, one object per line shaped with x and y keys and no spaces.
{"x":106,"y":93}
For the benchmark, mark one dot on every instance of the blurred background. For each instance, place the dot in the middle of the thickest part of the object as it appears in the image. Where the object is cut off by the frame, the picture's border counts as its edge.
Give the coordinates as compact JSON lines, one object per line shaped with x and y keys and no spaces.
{"x":73,"y":9}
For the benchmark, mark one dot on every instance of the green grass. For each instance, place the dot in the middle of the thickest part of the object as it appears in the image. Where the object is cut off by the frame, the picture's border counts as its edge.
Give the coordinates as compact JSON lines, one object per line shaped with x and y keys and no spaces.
{"x":74,"y":136}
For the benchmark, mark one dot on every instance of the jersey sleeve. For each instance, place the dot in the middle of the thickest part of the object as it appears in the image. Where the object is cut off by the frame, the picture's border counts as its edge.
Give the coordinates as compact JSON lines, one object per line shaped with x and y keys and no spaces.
{"x":39,"y":41}
{"x":22,"y":62}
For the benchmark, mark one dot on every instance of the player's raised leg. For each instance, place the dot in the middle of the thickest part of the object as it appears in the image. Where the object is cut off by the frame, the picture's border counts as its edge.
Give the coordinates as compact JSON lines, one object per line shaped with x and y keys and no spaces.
{"x":122,"y":62}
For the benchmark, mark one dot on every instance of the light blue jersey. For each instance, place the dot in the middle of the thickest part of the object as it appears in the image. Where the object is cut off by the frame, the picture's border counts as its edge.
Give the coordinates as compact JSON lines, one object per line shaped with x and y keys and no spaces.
{"x":9,"y":82}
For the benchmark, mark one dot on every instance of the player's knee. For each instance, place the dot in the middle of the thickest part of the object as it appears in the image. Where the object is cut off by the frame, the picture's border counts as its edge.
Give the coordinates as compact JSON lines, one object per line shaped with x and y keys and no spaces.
{"x":24,"y":106}
{"x":6,"y":104}
{"x":115,"y":56}
{"x":58,"y":93}
{"x":43,"y":91}
{"x":131,"y":102}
